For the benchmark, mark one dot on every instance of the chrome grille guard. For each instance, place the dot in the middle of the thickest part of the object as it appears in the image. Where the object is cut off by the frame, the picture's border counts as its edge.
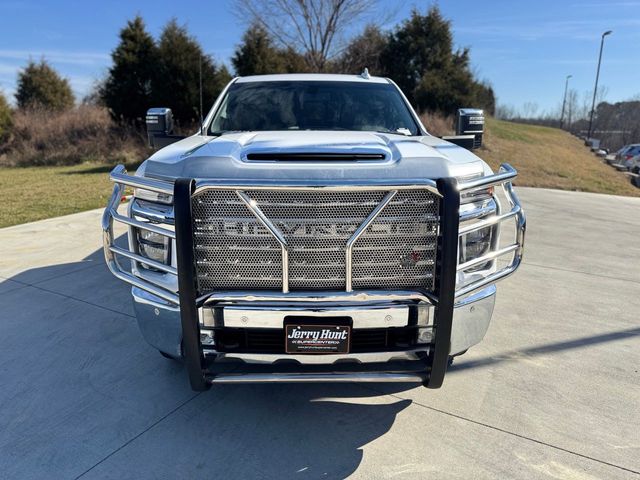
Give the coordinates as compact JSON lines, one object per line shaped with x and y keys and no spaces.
{"x":443,"y":297}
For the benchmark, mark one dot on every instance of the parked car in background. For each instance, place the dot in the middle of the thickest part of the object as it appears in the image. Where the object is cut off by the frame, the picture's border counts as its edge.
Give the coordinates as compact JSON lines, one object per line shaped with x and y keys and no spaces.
{"x":633,"y":164}
{"x":627,"y":152}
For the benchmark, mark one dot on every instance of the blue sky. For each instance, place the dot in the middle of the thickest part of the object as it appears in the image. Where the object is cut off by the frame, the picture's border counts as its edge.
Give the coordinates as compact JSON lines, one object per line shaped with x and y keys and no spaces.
{"x":524,"y":49}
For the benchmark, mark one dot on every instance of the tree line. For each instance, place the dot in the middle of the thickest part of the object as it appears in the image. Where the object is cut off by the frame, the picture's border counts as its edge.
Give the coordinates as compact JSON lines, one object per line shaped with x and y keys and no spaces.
{"x":282,"y":36}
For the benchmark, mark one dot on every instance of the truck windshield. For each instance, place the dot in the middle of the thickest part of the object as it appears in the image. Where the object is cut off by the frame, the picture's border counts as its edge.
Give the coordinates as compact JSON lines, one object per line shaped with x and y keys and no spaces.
{"x":313,"y":105}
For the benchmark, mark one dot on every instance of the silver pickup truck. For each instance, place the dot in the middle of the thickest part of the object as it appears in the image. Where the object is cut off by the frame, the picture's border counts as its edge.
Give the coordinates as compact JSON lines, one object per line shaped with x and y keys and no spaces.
{"x":313,"y":230}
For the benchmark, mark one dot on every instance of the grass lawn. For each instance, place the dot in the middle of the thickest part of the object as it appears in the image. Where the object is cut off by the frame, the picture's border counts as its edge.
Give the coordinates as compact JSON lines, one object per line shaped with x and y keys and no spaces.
{"x":550,"y":158}
{"x":34,"y":193}
{"x":544,"y":157}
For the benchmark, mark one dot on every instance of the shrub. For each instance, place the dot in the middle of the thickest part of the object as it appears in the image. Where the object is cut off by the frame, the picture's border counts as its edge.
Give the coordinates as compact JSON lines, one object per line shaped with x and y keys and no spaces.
{"x":84,"y":133}
{"x":438,"y":124}
{"x":40,"y":86}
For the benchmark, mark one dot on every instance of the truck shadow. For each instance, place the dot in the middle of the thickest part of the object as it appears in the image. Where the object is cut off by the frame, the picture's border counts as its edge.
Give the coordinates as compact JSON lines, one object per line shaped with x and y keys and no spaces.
{"x":129,"y":413}
{"x":282,"y":431}
{"x":141,"y":405}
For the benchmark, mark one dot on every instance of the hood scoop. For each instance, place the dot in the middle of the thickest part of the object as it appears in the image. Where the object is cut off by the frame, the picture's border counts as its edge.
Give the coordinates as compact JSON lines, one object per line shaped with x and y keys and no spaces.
{"x":313,"y":156}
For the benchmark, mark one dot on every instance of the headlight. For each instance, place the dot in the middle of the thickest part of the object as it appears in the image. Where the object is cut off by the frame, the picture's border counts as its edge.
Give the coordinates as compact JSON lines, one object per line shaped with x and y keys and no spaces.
{"x":154,"y":246}
{"x":473,"y":245}
{"x":479,"y":195}
{"x":152,"y":196}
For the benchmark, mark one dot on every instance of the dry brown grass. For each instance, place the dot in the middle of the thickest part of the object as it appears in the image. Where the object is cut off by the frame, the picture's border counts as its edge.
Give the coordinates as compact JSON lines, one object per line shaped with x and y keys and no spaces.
{"x":437,"y":124}
{"x":550,"y":158}
{"x":83,"y":134}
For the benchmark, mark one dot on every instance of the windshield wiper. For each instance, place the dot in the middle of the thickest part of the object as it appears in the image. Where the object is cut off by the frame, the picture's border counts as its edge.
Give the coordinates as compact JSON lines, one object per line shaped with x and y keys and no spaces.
{"x":218,"y":133}
{"x":400,"y":131}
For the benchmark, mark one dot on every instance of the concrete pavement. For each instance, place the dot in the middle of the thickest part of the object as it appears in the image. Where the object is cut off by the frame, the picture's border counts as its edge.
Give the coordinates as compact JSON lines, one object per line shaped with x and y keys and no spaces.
{"x":552,"y":392}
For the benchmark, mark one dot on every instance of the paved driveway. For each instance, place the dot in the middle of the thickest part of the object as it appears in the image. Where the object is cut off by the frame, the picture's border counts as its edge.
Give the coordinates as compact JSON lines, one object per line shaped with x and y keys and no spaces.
{"x":552,"y":392}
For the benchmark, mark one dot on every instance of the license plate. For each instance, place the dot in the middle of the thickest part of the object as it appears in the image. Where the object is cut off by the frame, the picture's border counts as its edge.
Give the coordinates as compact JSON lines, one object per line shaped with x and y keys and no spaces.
{"x":317,"y":338}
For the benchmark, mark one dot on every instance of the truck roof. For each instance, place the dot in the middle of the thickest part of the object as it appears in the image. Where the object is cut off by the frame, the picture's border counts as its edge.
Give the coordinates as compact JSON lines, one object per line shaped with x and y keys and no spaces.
{"x":311,"y":77}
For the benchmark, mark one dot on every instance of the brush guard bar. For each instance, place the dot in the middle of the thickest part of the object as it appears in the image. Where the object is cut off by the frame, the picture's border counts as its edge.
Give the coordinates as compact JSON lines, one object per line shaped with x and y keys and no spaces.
{"x":442,"y":298}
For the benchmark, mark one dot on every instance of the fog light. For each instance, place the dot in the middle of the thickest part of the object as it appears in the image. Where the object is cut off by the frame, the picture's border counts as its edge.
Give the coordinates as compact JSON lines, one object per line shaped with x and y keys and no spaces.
{"x":206,"y":337}
{"x":423,"y":315}
{"x":425,"y":335}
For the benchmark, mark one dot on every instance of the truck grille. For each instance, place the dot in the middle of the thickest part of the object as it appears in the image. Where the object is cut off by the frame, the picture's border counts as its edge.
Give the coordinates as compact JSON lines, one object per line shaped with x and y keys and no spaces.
{"x":234,"y":250}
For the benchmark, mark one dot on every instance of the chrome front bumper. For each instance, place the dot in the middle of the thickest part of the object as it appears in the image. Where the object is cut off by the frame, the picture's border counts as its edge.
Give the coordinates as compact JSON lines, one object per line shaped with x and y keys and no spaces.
{"x":171,"y":318}
{"x":159,"y":322}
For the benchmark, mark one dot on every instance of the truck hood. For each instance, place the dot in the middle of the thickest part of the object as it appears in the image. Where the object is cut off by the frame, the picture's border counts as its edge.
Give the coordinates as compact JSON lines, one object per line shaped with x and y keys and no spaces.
{"x":230,"y":157}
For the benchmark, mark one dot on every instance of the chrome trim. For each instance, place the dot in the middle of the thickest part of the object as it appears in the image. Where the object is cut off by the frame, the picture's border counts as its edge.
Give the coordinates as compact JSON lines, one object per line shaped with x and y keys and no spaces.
{"x":158,"y":212}
{"x":358,"y":233}
{"x":317,"y":377}
{"x":272,"y":316}
{"x":273,"y":230}
{"x":119,"y":175}
{"x":160,"y":325}
{"x":487,"y":222}
{"x":143,"y":225}
{"x":504,"y":176}
{"x":158,"y":321}
{"x":325,"y":359}
{"x":139,"y":258}
{"x":110,"y":256}
{"x":410,"y":184}
{"x":319,"y":296}
{"x":471,"y":319}
{"x":489,"y":256}
{"x":475,"y":213}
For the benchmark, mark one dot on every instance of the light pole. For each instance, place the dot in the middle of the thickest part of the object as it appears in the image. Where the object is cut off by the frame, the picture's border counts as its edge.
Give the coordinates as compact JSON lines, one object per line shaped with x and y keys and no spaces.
{"x":564,"y":100}
{"x":595,"y":89}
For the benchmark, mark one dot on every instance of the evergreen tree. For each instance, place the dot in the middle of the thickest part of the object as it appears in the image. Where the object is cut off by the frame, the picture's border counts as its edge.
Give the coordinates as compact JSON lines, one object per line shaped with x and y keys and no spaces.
{"x":127,"y":90}
{"x":6,"y":120}
{"x":40,"y":86}
{"x":485,"y":97}
{"x":177,"y":83}
{"x":419,"y":56}
{"x":363,"y":51}
{"x":422,"y":44}
{"x":257,"y":55}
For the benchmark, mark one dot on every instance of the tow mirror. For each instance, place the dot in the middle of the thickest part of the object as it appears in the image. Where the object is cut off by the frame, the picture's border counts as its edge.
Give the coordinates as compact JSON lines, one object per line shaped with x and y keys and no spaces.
{"x":159,"y":123}
{"x":469,"y":128}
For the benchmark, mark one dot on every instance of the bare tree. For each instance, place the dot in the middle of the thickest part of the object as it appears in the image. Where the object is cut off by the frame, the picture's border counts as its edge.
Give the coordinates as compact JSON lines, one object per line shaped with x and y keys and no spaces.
{"x":572,"y":106}
{"x":585,"y":106}
{"x":601,"y":94}
{"x":506,"y":112}
{"x":315,"y":28}
{"x":529,"y":109}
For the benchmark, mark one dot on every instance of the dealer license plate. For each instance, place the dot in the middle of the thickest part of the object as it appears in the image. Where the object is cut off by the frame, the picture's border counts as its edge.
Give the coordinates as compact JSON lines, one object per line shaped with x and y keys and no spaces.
{"x":317,"y":338}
